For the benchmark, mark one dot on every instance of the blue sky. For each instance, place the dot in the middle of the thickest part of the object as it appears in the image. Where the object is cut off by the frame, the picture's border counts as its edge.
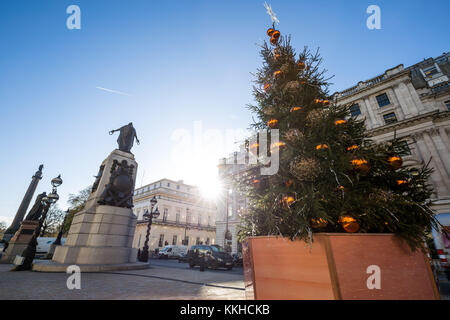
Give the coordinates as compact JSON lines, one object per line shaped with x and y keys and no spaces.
{"x":178,"y":62}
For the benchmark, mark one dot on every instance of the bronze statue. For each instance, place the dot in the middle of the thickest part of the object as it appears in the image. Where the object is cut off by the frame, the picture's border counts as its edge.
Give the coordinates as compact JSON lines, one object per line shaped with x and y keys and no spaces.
{"x":119,"y":191}
{"x":126,"y":137}
{"x":35,"y":213}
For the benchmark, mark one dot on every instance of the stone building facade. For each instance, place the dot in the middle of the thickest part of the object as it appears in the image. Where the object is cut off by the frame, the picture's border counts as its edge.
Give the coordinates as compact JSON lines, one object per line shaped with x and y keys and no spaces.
{"x":413,"y":103}
{"x":185,"y":217}
{"x":230,"y":204}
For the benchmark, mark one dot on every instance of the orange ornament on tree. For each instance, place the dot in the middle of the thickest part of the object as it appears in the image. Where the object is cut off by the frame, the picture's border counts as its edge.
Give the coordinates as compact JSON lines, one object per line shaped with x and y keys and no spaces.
{"x":401,"y":182}
{"x":270,"y":31}
{"x":301,"y":65}
{"x":349,"y":224}
{"x":293,"y":109}
{"x":267,"y":87}
{"x":361,"y":165}
{"x":340,"y":122}
{"x":395,"y":162}
{"x":321,"y":146}
{"x":272,"y":123}
{"x":273,"y":40}
{"x":352,"y":147}
{"x":289,"y":183}
{"x":277,"y":73}
{"x":318,"y":223}
{"x":288,"y":200}
{"x":276,"y":34}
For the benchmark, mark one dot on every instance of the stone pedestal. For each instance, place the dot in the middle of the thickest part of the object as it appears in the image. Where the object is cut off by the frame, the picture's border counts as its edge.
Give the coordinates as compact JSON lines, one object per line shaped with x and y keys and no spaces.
{"x":19,"y":241}
{"x":100,"y":235}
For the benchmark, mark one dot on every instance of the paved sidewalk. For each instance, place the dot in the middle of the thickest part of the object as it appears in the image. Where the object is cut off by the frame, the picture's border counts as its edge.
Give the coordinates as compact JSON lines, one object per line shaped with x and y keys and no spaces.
{"x":154,"y":283}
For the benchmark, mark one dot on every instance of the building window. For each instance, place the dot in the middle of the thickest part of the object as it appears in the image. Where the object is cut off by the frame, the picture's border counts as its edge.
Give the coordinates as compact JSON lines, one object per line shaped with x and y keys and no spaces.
{"x":383,"y":100}
{"x":430,"y":71}
{"x":178,"y":187}
{"x":207,"y":241}
{"x":447,"y":104}
{"x":199,"y":219}
{"x":186,"y":241}
{"x":174,"y":240}
{"x":168,"y":184}
{"x":188,"y":216}
{"x":161,"y":240}
{"x":197,"y":241}
{"x":355,"y":110}
{"x":209,"y":220}
{"x":177,"y":217}
{"x":166,"y":213}
{"x":390,"y":118}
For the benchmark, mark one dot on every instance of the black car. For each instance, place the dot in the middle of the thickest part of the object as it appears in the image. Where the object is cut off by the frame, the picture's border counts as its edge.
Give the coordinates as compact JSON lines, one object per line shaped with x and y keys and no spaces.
{"x":209,"y":256}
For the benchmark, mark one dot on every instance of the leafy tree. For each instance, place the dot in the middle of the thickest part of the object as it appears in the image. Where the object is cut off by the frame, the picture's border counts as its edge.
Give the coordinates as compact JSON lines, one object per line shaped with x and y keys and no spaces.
{"x":76,"y":203}
{"x":332,"y":177}
{"x":2,"y":226}
{"x":53,"y":221}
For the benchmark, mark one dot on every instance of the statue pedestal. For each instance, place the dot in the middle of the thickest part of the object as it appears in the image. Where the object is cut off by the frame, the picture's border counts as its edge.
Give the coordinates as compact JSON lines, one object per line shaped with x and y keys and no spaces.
{"x":19,"y":241}
{"x":100,"y":236}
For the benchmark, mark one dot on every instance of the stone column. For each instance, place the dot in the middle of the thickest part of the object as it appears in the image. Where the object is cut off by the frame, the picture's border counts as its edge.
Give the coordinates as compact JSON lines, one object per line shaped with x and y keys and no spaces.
{"x":9,"y":233}
{"x":427,"y":150}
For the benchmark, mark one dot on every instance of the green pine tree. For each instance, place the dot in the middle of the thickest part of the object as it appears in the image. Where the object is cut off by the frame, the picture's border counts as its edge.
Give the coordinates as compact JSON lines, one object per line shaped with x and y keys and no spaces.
{"x":332,"y":177}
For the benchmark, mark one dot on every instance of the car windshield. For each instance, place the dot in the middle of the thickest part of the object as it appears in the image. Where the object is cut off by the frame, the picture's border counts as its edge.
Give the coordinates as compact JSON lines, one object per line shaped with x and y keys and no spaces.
{"x":217,"y":249}
{"x":164,"y":249}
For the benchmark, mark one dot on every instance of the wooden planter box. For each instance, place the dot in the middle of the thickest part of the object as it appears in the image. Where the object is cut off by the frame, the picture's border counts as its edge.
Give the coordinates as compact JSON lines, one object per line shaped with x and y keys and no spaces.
{"x":335,"y":266}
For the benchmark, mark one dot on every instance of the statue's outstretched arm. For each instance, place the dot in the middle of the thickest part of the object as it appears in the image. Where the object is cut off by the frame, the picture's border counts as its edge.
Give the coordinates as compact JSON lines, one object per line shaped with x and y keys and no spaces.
{"x":137,"y":140}
{"x":112,"y":131}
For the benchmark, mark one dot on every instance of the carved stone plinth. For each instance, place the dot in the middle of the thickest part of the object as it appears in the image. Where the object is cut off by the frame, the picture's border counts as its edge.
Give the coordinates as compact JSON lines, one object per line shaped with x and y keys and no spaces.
{"x":100,"y":234}
{"x":20,"y":240}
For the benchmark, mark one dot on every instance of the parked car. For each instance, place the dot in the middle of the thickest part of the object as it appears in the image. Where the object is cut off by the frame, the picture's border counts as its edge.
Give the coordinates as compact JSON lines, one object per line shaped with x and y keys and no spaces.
{"x":209,"y":256}
{"x":237,"y":259}
{"x":172,"y":251}
{"x":183,"y":258}
{"x":44,"y":243}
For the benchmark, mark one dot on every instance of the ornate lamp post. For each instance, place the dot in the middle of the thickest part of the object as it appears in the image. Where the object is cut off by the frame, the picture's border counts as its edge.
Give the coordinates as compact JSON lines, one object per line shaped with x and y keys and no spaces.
{"x":153,"y":214}
{"x":30,"y":250}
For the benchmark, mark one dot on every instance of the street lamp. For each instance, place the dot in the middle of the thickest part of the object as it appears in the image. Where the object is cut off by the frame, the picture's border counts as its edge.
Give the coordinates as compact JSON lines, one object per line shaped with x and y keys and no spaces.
{"x":30,"y":250}
{"x":227,"y":235}
{"x":149,"y":216}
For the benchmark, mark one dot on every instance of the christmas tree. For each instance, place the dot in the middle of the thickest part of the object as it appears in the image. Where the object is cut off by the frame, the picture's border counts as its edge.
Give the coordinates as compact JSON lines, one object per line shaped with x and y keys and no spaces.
{"x":331,"y":177}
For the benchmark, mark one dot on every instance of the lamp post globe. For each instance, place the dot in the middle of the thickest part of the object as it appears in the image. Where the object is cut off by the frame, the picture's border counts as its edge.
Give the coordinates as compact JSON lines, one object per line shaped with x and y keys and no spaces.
{"x":56,"y":182}
{"x":53,"y":197}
